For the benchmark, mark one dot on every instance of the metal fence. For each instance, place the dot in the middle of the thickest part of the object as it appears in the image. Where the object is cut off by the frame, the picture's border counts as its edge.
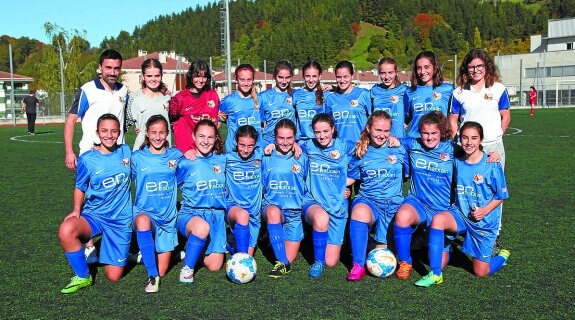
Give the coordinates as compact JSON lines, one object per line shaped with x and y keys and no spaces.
{"x":561,"y":94}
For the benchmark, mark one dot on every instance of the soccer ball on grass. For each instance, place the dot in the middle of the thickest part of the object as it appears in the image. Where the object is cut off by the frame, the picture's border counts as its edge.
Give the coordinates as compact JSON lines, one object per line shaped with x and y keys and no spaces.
{"x":381,"y":262}
{"x":241,"y":268}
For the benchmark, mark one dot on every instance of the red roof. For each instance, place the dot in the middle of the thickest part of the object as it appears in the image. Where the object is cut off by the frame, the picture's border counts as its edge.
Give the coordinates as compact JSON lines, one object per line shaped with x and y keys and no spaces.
{"x":171,"y":63}
{"x":6,"y":76}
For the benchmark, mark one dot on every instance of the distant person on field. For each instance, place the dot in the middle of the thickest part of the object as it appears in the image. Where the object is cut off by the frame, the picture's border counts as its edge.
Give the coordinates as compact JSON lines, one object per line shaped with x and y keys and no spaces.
{"x":29,"y":105}
{"x":532,"y":99}
{"x":97,"y":97}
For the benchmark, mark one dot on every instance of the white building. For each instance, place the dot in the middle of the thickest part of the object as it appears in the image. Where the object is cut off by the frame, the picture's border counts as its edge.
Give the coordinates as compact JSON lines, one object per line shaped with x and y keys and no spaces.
{"x":549,"y":67}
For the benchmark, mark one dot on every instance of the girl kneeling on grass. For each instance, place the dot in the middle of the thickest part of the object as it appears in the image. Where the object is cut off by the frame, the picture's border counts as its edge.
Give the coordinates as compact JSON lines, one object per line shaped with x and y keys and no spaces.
{"x":480,"y":191}
{"x":102,"y":205}
{"x":244,"y":186}
{"x":201,"y":218}
{"x":284,"y":187}
{"x":154,"y":173}
{"x":380,"y":170}
{"x":325,"y":206}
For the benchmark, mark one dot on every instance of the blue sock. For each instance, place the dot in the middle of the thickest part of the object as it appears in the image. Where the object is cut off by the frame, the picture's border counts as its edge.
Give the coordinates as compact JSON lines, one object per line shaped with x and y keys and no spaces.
{"x":319,"y":245}
{"x":77,"y":261}
{"x":193,"y":249}
{"x":277,"y":241}
{"x":495,"y":264}
{"x":358,"y":236}
{"x":402,"y":236}
{"x":148,"y":250}
{"x":242,"y":234}
{"x":435,"y":250}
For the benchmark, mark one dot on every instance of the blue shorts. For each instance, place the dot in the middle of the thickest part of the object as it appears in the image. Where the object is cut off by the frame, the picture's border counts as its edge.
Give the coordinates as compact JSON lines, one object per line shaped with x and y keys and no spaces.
{"x":383,"y":212}
{"x":254,"y":224}
{"x":292,"y":225}
{"x":165,"y":234}
{"x":216,"y":242}
{"x":477,"y":242}
{"x":337,"y":223}
{"x":115,"y":243}
{"x":424,"y":212}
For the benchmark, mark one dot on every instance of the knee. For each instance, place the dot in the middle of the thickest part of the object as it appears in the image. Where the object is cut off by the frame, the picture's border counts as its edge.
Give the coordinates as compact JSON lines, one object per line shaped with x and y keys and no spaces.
{"x":214,"y":267}
{"x":403,"y":218}
{"x":67,"y":231}
{"x":481,"y":272}
{"x":142,"y":222}
{"x":273,"y":215}
{"x":321,"y":222}
{"x":331,"y":262}
{"x":113,"y":275}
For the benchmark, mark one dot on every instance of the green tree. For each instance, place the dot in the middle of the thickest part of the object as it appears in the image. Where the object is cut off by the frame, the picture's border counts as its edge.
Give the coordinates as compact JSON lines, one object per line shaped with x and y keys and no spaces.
{"x":477,"y":38}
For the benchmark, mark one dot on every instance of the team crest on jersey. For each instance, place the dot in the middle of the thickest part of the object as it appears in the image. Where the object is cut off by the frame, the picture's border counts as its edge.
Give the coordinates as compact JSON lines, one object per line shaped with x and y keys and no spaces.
{"x":354,"y":103}
{"x":166,"y":106}
{"x":334,"y":154}
{"x":478,"y":179}
{"x":211,"y":104}
{"x":122,"y":99}
{"x":172,"y":164}
{"x":257,"y":163}
{"x":256,"y":107}
{"x":392,"y":159}
{"x":444,"y":156}
{"x":217,"y":169}
{"x":488,"y":96}
{"x":296,"y":168}
{"x":394,"y":99}
{"x":288,"y":100}
{"x":436,"y":95}
{"x":126,"y":162}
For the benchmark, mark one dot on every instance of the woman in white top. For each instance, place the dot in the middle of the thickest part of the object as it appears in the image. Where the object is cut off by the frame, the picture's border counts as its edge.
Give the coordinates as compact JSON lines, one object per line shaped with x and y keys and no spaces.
{"x":152,"y":99}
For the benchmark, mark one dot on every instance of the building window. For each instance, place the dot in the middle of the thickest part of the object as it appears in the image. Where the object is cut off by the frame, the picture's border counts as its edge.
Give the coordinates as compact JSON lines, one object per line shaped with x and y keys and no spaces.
{"x":570,"y":46}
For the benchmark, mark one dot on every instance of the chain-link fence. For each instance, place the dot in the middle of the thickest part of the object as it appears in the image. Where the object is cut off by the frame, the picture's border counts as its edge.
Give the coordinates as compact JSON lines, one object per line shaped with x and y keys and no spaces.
{"x":561,"y":94}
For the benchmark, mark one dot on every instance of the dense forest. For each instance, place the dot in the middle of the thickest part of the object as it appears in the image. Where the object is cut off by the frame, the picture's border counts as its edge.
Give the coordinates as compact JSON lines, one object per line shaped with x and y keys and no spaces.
{"x":326,"y":30}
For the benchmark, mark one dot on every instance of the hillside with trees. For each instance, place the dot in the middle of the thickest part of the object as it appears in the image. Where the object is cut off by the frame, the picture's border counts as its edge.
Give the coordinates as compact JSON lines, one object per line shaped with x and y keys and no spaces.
{"x":326,"y":30}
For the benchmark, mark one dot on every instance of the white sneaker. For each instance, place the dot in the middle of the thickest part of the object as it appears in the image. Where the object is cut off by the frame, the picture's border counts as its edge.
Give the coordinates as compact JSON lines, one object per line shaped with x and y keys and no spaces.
{"x":91,"y":255}
{"x":153,"y":284}
{"x":187,"y":275}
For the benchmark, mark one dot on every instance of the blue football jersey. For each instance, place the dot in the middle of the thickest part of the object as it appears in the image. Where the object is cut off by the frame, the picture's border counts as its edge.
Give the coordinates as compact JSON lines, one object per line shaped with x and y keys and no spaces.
{"x":274,"y":106}
{"x":105,"y":180}
{"x":244,"y":181}
{"x":350,"y":112}
{"x":306,"y":107}
{"x":156,"y":185}
{"x":284,"y":180}
{"x":327,"y":174}
{"x":431,"y":173}
{"x":423,"y":100}
{"x":381,"y":173}
{"x":202,"y":182}
{"x":477,"y":185}
{"x":391,"y":101}
{"x":240,"y":111}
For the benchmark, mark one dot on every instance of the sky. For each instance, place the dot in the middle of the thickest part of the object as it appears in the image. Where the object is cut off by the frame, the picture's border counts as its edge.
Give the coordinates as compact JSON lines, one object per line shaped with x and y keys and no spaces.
{"x":26,"y":18}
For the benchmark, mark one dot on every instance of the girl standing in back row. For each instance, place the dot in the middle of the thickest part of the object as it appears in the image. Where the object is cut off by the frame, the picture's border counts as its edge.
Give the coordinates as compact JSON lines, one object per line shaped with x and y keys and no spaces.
{"x":428,"y":92}
{"x":153,"y":99}
{"x":199,"y":101}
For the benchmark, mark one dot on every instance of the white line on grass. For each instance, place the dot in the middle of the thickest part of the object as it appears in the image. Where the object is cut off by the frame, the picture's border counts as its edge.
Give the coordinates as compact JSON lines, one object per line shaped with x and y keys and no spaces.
{"x":19,"y":138}
{"x":517,"y":132}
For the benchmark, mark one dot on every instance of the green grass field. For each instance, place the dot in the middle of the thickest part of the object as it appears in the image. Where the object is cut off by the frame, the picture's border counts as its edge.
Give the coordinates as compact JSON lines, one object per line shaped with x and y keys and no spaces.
{"x":538,"y":228}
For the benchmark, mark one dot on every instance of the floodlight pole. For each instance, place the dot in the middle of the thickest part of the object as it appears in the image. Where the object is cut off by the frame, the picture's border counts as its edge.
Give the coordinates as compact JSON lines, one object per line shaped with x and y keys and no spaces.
{"x":62,"y":103}
{"x":12,"y":84}
{"x":228,"y":45}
